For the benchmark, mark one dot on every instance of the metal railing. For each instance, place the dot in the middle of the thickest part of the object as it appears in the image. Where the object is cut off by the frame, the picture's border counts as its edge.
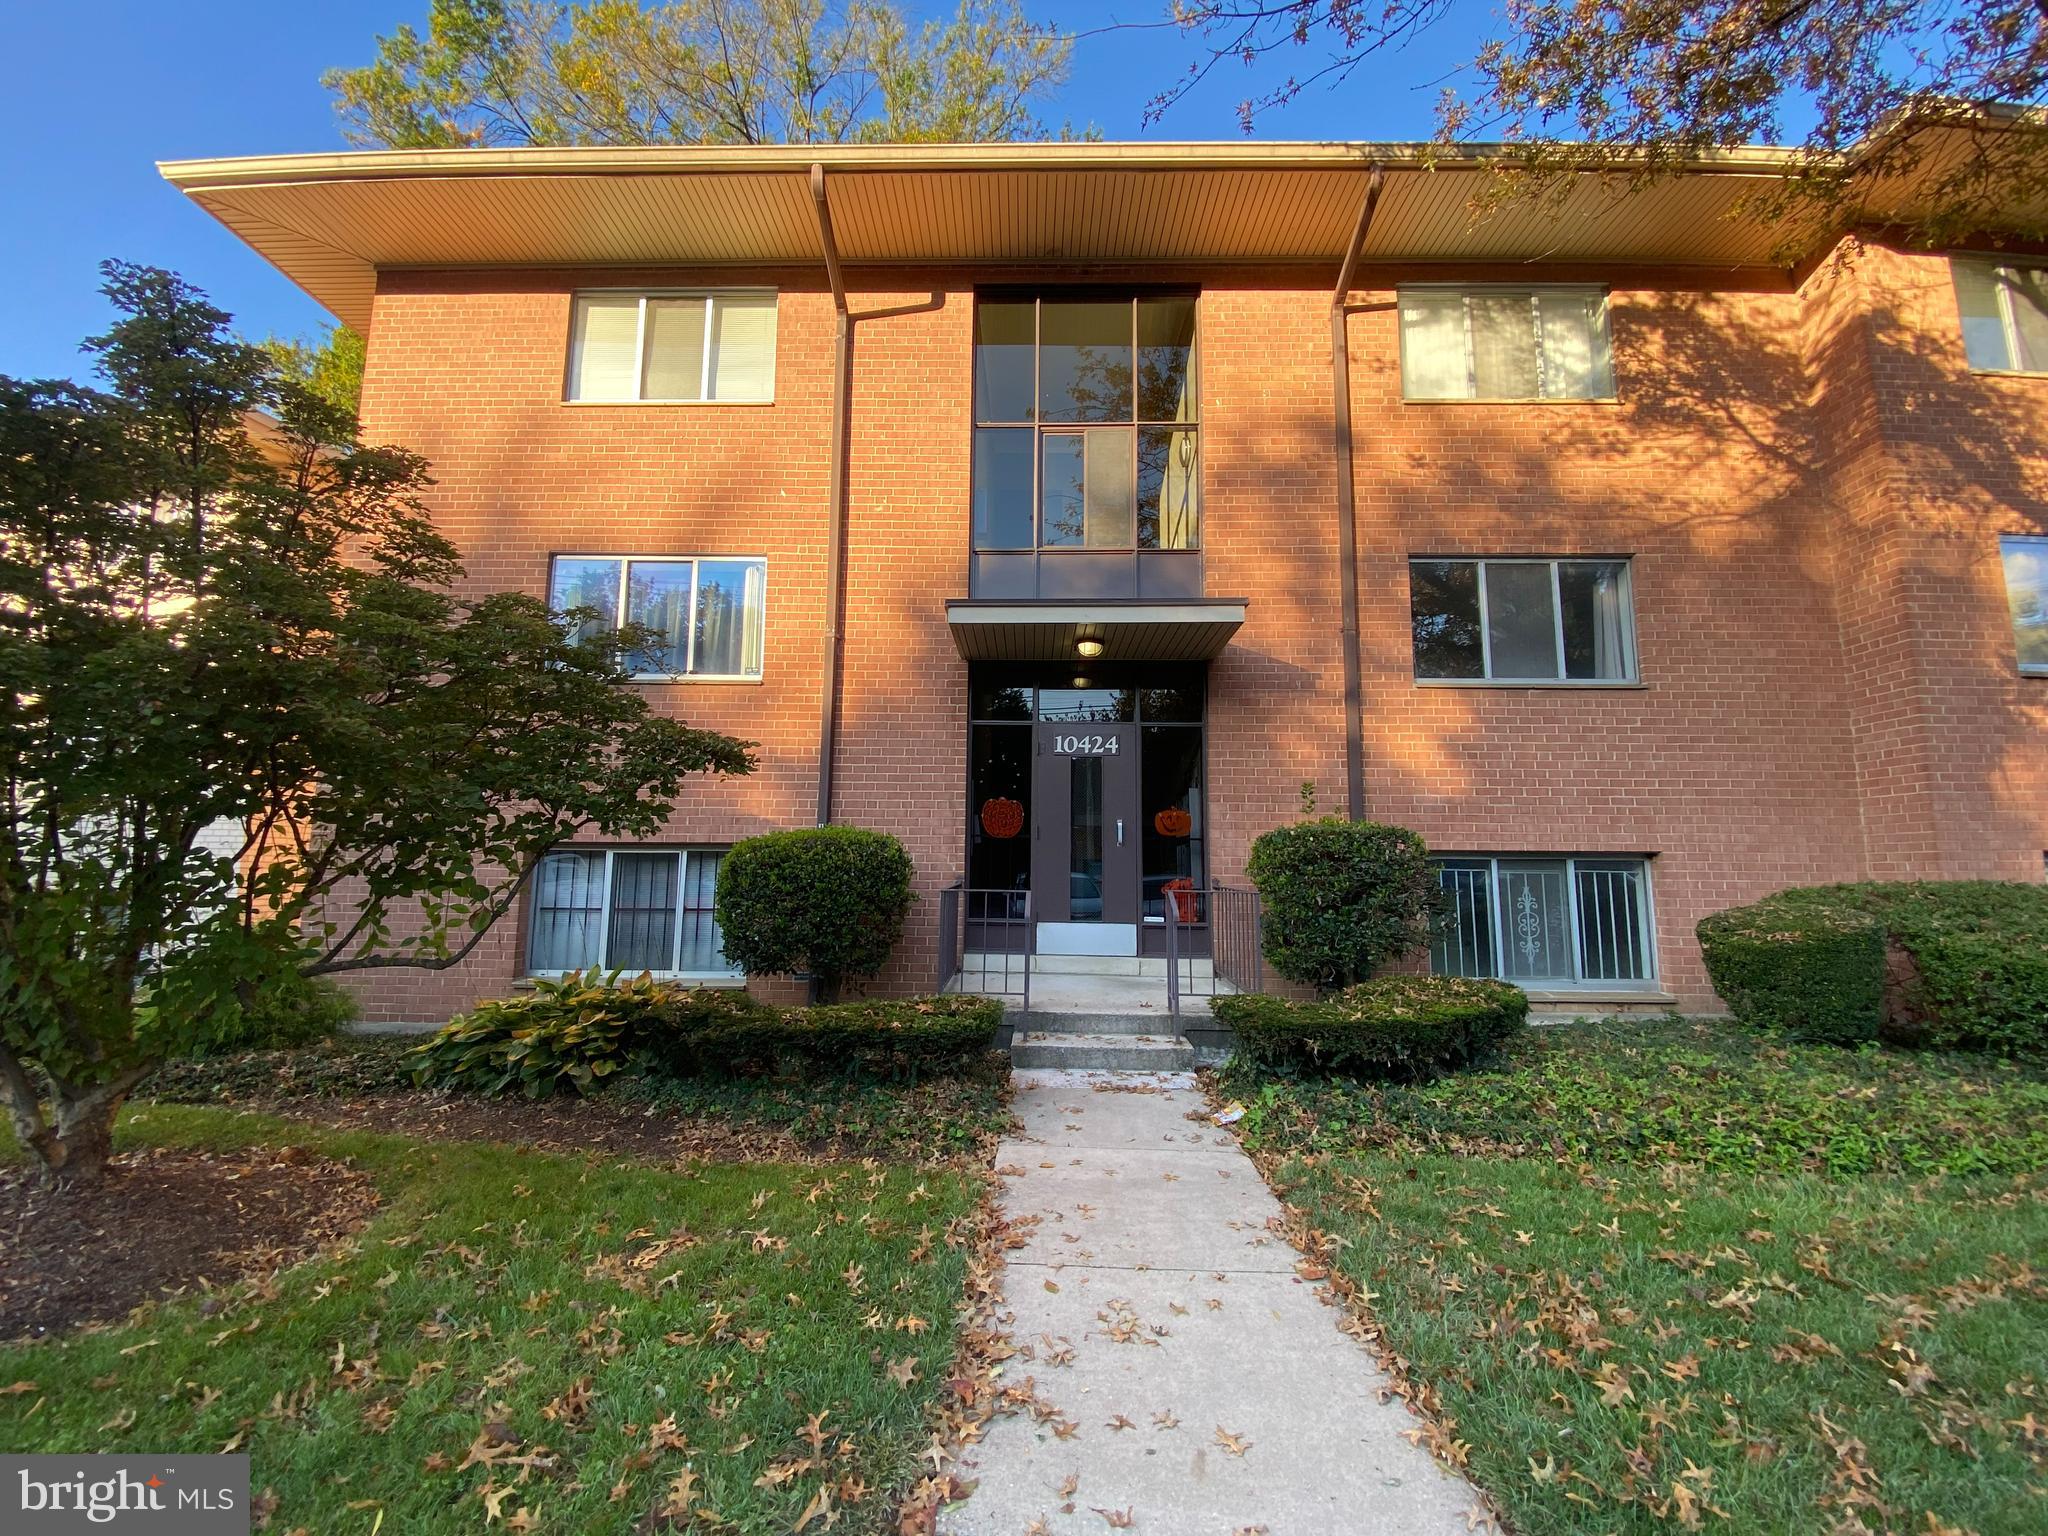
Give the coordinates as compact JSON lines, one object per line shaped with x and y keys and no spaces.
{"x":1222,"y":924}
{"x":986,"y":939}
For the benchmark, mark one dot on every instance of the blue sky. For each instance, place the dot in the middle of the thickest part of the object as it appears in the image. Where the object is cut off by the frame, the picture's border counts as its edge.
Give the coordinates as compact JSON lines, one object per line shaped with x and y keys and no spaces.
{"x":93,"y":94}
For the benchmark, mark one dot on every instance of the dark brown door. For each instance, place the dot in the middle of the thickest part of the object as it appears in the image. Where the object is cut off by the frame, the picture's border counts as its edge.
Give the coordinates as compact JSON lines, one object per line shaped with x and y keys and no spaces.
{"x":1084,"y":857}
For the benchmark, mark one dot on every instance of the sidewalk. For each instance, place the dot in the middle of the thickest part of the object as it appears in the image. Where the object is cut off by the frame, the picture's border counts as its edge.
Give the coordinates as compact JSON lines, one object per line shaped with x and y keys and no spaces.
{"x":1152,"y":1294}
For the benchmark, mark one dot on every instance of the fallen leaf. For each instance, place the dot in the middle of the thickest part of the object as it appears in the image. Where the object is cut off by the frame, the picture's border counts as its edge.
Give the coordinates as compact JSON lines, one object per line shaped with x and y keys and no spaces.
{"x":1234,"y":1444}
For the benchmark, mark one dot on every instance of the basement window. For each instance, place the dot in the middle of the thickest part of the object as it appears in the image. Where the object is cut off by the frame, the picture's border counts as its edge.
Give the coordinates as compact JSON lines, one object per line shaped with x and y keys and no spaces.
{"x":628,"y":909}
{"x":2004,"y":310}
{"x":669,"y":348}
{"x":1547,"y":922}
{"x":1493,"y":343}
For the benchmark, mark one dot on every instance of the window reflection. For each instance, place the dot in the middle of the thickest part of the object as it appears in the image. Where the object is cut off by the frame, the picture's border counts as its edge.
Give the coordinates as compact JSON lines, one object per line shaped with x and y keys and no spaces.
{"x":1084,"y":361}
{"x":1115,"y":460}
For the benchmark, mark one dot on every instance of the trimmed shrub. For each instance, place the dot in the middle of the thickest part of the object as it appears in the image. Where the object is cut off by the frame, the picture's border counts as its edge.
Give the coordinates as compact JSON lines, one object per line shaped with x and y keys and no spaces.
{"x":1815,"y":972}
{"x":1393,"y":1026}
{"x":1959,"y":964}
{"x":829,"y":901}
{"x":1342,"y":898}
{"x":572,"y":1032}
{"x":899,"y":1038}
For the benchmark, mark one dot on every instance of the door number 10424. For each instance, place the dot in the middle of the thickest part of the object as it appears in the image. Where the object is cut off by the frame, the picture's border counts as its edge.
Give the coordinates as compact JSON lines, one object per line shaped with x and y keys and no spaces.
{"x":1084,"y":746}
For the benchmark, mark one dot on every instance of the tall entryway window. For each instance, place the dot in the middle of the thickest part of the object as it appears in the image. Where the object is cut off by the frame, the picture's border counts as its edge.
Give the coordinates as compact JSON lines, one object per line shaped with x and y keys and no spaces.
{"x":1085,"y":788}
{"x":1087,"y":445}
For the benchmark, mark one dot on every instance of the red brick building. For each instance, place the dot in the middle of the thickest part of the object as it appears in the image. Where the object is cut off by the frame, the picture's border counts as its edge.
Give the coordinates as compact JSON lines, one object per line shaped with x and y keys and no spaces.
{"x":1684,"y":569}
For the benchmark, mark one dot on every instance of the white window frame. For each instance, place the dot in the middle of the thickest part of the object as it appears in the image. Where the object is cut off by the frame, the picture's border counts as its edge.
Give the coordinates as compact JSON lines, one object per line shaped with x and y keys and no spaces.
{"x":1633,"y":677}
{"x":1647,"y":982}
{"x":1535,"y":292}
{"x":697,"y":563}
{"x":2006,"y":321}
{"x":710,"y":296}
{"x":2037,"y":542}
{"x":731,"y":976}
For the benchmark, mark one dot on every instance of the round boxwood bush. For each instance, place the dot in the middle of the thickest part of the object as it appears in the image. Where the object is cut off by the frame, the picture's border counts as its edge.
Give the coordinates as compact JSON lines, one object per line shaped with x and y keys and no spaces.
{"x":1391,"y":1026}
{"x":1342,"y":898}
{"x":829,"y":901}
{"x":1816,"y":972}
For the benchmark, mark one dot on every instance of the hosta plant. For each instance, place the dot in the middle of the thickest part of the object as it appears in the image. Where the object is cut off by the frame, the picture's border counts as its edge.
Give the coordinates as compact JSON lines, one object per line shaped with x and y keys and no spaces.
{"x":572,"y":1032}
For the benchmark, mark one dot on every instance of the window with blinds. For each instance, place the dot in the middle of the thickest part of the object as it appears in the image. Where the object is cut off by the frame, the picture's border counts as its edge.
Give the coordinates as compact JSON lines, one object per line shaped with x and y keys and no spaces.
{"x":673,"y":348}
{"x":1505,"y":344}
{"x":628,"y":909}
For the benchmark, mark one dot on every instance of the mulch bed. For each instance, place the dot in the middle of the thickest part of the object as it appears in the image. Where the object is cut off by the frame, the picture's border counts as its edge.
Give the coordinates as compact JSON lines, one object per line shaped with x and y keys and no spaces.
{"x":164,"y":1221}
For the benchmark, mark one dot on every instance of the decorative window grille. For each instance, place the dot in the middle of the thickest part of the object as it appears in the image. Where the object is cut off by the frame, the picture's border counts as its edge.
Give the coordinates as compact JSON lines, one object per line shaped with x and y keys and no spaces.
{"x":1551,"y":922}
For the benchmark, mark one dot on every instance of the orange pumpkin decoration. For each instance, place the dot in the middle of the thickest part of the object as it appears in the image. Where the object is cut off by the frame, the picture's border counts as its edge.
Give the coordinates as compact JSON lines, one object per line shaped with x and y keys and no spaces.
{"x":1002,"y":817}
{"x":1187,"y":906}
{"x":1173,"y":822}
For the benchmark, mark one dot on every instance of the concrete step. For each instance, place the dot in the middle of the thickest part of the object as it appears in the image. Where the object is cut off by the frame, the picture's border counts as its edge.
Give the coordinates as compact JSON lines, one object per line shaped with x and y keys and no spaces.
{"x":1055,"y":1022}
{"x":1102,"y":1053}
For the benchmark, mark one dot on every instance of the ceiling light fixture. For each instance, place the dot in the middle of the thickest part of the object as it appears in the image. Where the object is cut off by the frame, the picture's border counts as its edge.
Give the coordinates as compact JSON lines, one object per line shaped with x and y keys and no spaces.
{"x":1089,"y":649}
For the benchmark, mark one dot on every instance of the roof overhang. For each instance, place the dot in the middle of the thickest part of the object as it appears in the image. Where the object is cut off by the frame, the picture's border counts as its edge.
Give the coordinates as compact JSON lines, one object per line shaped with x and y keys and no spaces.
{"x":1196,"y":629}
{"x":331,"y":222}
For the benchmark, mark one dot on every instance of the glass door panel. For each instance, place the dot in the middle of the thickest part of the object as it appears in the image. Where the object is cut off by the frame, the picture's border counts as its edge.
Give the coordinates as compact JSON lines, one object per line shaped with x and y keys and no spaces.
{"x":1085,"y":873}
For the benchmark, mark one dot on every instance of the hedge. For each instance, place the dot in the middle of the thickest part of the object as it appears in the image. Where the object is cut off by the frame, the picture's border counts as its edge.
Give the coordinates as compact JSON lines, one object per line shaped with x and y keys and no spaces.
{"x":1950,"y":964}
{"x":905,"y":1037}
{"x":577,"y":1032}
{"x":1391,"y":1026}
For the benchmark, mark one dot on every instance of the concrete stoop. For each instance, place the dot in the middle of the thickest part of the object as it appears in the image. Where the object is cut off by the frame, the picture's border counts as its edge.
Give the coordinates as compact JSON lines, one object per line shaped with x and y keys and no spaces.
{"x":1080,"y":1050}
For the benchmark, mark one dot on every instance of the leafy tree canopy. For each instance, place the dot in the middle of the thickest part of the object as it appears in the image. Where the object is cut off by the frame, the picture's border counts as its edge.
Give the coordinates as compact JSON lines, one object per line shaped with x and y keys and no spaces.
{"x":332,"y":370}
{"x":1949,"y":93}
{"x":197,"y":631}
{"x":510,"y":72}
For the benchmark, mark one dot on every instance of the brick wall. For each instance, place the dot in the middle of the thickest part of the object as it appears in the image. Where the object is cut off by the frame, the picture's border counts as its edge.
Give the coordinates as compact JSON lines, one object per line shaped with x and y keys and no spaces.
{"x":1809,"y":482}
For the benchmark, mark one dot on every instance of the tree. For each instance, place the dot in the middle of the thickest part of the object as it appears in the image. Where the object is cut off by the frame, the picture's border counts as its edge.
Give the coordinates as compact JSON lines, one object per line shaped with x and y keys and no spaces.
{"x":333,"y":369}
{"x":1948,"y":93}
{"x":497,"y":72}
{"x":192,"y":630}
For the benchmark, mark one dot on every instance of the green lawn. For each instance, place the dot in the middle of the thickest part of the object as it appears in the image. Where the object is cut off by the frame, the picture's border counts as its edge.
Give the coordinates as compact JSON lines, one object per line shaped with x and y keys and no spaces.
{"x":571,"y":1338}
{"x":1670,"y":1277}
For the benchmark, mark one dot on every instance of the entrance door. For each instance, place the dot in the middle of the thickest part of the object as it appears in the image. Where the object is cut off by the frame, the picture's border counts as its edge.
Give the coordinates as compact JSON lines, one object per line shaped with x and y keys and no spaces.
{"x":1084,"y":855}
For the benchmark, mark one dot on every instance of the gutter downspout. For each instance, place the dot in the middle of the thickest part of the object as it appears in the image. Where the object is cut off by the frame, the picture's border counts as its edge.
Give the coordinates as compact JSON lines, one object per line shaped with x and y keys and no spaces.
{"x":1347,"y":508}
{"x":835,"y":557}
{"x":835,"y":544}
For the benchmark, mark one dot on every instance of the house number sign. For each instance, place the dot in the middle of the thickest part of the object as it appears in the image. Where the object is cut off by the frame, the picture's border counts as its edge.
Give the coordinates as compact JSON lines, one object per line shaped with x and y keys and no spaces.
{"x":1084,"y":746}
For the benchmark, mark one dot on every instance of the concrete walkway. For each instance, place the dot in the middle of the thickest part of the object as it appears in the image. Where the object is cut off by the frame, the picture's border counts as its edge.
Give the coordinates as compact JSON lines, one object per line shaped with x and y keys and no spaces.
{"x":1208,"y":1388}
